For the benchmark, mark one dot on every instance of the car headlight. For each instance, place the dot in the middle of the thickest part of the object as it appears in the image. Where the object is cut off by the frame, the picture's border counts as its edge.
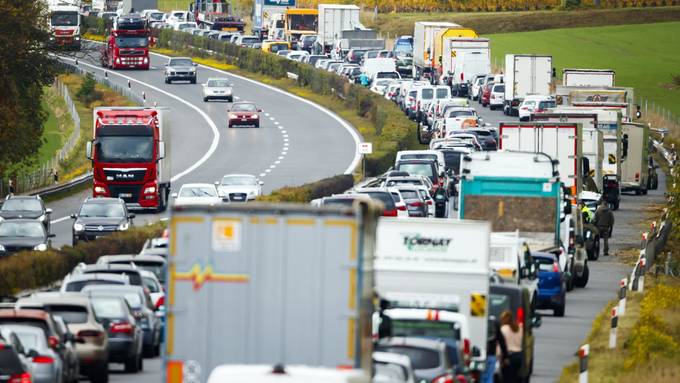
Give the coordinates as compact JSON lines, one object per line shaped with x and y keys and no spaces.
{"x":40,"y":247}
{"x":123,"y":226}
{"x":78,"y":227}
{"x":150,"y":190}
{"x":2,"y":248}
{"x":42,"y":218}
{"x":77,"y":38}
{"x":254,"y":116}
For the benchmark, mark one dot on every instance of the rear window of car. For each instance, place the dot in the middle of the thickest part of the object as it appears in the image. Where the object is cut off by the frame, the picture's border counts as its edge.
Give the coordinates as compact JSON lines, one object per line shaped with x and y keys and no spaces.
{"x":152,"y":285}
{"x":425,"y":169}
{"x":384,"y":197}
{"x":499,"y":88}
{"x":79,"y":285}
{"x":546,"y":104}
{"x":421,"y":358}
{"x":108,"y":308}
{"x":419,"y":156}
{"x":428,"y":93}
{"x":545,"y":264}
{"x":70,"y":313}
{"x":409,"y":194}
{"x":250,"y":40}
{"x":37,"y":323}
{"x":442,"y":93}
{"x":452,"y":161}
{"x":499,"y":303}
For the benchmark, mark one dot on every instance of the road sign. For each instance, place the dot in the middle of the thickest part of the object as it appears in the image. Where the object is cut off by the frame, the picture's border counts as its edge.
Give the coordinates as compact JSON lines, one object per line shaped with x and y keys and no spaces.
{"x":365,"y":148}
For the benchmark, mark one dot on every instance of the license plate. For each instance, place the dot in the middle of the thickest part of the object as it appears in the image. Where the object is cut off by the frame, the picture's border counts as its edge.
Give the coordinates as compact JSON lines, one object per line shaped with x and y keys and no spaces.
{"x":125,"y":195}
{"x":244,"y":119}
{"x":238,"y":198}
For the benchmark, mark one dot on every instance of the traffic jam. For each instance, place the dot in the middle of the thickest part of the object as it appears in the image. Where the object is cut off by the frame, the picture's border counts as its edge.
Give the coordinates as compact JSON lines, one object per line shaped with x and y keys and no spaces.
{"x":439,"y":270}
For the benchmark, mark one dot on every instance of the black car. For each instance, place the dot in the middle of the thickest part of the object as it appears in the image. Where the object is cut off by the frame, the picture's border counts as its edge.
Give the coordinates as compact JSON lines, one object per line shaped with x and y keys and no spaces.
{"x":23,"y":234}
{"x":100,"y":216}
{"x":26,"y":207}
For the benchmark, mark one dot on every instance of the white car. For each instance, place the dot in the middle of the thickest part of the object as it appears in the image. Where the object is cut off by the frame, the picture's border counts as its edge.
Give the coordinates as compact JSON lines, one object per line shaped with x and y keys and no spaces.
{"x":402,"y":210}
{"x":380,"y":86}
{"x":197,"y":194}
{"x":497,"y":97}
{"x":218,"y":88}
{"x":239,"y":187}
{"x":476,"y":87}
{"x":152,"y":284}
{"x":534,"y":104}
{"x":185,"y":26}
{"x":297,"y":55}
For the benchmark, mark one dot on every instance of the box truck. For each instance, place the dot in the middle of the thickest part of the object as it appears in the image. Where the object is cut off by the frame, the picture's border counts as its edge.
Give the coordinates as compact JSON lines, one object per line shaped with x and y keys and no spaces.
{"x":426,"y":59}
{"x":437,"y":266}
{"x":269,"y":13}
{"x":588,"y":77}
{"x":269,"y":284}
{"x":612,"y":98}
{"x":634,"y":157}
{"x":462,"y":60}
{"x":333,"y":19}
{"x":526,"y":75}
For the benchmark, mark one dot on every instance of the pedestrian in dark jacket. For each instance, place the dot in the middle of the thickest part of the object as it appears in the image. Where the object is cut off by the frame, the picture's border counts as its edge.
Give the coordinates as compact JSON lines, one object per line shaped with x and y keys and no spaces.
{"x":604,"y":221}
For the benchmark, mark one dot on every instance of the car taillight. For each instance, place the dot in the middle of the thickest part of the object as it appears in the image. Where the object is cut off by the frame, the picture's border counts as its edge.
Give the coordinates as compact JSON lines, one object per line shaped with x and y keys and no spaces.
{"x":556,"y":267}
{"x":160,"y":302}
{"x":446,"y":378}
{"x":53,"y":341}
{"x":390,"y":213}
{"x":416,"y":204}
{"x":462,"y":379}
{"x":524,"y":108}
{"x":429,"y":202}
{"x":520,"y":315}
{"x":41,"y":359}
{"x":466,"y":351}
{"x":20,"y":378}
{"x":637,"y":176}
{"x":122,"y":328}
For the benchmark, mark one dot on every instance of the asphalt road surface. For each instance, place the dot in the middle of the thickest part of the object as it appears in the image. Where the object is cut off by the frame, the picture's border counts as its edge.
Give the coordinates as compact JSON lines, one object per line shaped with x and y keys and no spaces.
{"x":297,"y":141}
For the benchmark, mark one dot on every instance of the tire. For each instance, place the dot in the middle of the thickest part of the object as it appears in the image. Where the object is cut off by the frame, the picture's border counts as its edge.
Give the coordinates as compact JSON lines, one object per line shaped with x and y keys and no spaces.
{"x":582,"y":281}
{"x":101,"y":375}
{"x":205,"y":99}
{"x":638,"y":192}
{"x":256,"y":125}
{"x":193,"y":80}
{"x":230,"y":99}
{"x":74,"y":241}
{"x":596,"y":249}
{"x":140,"y":363}
{"x":157,"y":350}
{"x":559,"y":311}
{"x":644,"y":192}
{"x":167,"y":81}
{"x":132,"y":364}
{"x":570,"y":282}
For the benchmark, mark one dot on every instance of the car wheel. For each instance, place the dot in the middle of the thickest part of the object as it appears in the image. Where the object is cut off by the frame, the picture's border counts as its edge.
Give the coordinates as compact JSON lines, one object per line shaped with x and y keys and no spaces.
{"x":256,"y":125}
{"x":157,"y":349}
{"x":230,"y":99}
{"x":582,"y":281}
{"x":167,"y":81}
{"x":193,"y":80}
{"x":559,"y":311}
{"x":101,"y":375}
{"x":132,"y":364}
{"x":596,"y":248}
{"x":74,"y":241}
{"x":570,"y":281}
{"x":205,"y":99}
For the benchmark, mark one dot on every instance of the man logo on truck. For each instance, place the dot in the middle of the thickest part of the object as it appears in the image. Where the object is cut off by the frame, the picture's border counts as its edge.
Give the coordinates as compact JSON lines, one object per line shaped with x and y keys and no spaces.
{"x":419,"y":243}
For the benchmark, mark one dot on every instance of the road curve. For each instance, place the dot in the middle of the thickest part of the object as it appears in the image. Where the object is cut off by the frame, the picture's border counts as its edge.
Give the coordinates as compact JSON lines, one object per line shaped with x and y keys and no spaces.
{"x":298,"y":141}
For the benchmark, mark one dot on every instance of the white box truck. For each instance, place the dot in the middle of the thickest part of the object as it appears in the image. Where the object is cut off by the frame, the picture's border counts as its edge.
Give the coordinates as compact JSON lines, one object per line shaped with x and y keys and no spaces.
{"x":333,"y":19}
{"x":269,"y":284}
{"x":612,"y":98}
{"x":634,"y":157}
{"x":462,"y":60}
{"x":424,"y":36}
{"x":437,"y":265}
{"x":588,"y":77}
{"x":526,"y":75}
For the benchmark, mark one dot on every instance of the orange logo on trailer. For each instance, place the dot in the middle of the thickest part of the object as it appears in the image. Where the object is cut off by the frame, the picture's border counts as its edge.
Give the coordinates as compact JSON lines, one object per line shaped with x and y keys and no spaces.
{"x":201,"y":276}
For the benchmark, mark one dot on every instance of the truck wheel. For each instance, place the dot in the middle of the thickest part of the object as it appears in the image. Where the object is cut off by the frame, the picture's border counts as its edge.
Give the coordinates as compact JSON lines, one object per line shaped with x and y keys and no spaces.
{"x":644,"y":192}
{"x":162,"y":201}
{"x":582,"y":281}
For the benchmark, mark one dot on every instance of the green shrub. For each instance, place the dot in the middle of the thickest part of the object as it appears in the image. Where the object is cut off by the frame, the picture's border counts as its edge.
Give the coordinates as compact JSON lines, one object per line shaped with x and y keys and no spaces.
{"x":87,"y":93}
{"x":35,"y":269}
{"x":305,"y":193}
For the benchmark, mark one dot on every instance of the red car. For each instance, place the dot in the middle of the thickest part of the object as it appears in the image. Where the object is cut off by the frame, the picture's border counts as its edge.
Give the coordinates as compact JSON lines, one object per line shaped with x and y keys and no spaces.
{"x":486,"y":94}
{"x":244,"y":114}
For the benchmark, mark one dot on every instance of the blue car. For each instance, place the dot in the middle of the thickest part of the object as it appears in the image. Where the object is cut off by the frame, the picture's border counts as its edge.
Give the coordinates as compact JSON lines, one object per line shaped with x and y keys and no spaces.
{"x":552,"y":289}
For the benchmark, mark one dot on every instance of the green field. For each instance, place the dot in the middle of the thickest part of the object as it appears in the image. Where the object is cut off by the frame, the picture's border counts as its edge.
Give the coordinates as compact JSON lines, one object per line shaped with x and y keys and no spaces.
{"x":52,"y":137}
{"x":644,"y":56}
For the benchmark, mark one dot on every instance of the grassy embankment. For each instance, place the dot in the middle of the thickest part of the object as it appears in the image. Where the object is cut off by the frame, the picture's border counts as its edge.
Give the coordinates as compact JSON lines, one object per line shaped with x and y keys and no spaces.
{"x":641,"y":54}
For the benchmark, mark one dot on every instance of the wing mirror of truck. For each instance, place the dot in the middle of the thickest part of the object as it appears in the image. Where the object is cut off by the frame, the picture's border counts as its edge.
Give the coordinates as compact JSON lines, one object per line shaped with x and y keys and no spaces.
{"x":194,"y":64}
{"x":74,"y":216}
{"x":88,"y":150}
{"x":161,"y":150}
{"x":585,"y":166}
{"x":260,"y":183}
{"x":523,"y":272}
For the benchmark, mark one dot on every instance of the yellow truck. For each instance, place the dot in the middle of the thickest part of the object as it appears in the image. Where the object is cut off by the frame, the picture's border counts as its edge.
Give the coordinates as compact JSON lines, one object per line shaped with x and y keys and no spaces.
{"x":428,"y":45}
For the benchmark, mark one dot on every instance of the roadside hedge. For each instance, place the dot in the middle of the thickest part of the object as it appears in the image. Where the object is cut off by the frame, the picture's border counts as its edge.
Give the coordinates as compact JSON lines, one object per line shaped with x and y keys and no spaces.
{"x":305,"y":193}
{"x":390,"y":130}
{"x":30,"y":270}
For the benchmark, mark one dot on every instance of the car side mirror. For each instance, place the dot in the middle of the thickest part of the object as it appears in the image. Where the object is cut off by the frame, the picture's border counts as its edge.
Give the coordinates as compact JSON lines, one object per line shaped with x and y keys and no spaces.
{"x":523,"y":272}
{"x":131,"y":215}
{"x":74,"y":216}
{"x":173,"y":195}
{"x":204,"y":84}
{"x":259,"y":110}
{"x":48,"y":211}
{"x":51,"y":235}
{"x":88,"y":150}
{"x":165,"y":64}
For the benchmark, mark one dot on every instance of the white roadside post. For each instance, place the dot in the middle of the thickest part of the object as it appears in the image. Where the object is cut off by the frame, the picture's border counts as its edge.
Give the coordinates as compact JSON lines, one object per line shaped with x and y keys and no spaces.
{"x":583,"y":363}
{"x":612,"y":332}
{"x":641,"y":279}
{"x":622,"y":296}
{"x":364,"y":149}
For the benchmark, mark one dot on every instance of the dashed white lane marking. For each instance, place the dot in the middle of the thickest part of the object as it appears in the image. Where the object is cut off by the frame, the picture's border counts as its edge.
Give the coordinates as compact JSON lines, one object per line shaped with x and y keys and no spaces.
{"x":283,"y":131}
{"x":285,"y":140}
{"x":266,"y":114}
{"x":272,"y":166}
{"x":271,"y":118}
{"x":277,"y":162}
{"x":281,"y":157}
{"x":285,"y":136}
{"x":276,"y":122}
{"x":60,"y":219}
{"x":268,"y":171}
{"x":263,"y":174}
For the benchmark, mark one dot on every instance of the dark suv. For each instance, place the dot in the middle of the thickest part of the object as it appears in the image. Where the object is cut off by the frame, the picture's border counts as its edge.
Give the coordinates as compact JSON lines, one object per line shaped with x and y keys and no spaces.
{"x":26,"y":207}
{"x":99,"y":217}
{"x":427,"y":168}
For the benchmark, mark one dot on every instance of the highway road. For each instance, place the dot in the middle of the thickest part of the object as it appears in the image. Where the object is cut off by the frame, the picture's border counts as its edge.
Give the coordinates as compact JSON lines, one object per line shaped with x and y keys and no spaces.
{"x":298,"y":141}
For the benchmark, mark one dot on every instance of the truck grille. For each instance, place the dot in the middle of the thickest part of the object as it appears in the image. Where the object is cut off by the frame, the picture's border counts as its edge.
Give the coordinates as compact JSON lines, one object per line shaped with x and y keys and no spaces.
{"x":131,"y":52}
{"x":105,"y":228}
{"x":132,"y":60}
{"x":113,"y":174}
{"x":128,"y":193}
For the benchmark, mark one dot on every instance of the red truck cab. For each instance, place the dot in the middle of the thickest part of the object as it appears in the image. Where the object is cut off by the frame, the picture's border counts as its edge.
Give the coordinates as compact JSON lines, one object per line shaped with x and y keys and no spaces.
{"x":127,"y":46}
{"x":127,"y":155}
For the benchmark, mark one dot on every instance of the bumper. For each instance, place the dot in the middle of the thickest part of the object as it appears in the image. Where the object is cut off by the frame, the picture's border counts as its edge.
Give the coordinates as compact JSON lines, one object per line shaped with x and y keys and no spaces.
{"x":136,"y":62}
{"x":44,"y":373}
{"x":121,"y":349}
{"x":91,"y":357}
{"x":218,"y":96}
{"x":92,"y":235}
{"x":65,"y":43}
{"x":184,"y":77}
{"x":244,"y":121}
{"x":550,"y":298}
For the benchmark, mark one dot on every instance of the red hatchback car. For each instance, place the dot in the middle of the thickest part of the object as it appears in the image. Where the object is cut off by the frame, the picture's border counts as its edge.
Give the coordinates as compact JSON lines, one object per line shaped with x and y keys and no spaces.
{"x":486,"y":94}
{"x":244,"y":114}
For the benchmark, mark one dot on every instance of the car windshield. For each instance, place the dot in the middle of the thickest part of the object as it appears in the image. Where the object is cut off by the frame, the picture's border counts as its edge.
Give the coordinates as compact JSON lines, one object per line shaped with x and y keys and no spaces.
{"x":424,"y":169}
{"x":371,"y":54}
{"x":428,"y":93}
{"x":14,"y":204}
{"x":80,"y":285}
{"x":278,"y":47}
{"x":156,"y":15}
{"x":529,"y":104}
{"x":180,"y":62}
{"x":442,"y":93}
{"x":132,"y":42}
{"x":64,"y":19}
{"x":333,"y":66}
{"x":21,"y":229}
{"x":110,"y":210}
{"x":243,"y":108}
{"x":108,"y":308}
{"x":124,"y":149}
{"x":218,"y":83}
{"x":302,"y":22}
{"x":198,"y":191}
{"x":418,"y":156}
{"x":238,"y":180}
{"x":425,"y":329}
{"x":70,"y":313}
{"x":421,"y":358}
{"x":452,"y":161}
{"x":461,"y":113}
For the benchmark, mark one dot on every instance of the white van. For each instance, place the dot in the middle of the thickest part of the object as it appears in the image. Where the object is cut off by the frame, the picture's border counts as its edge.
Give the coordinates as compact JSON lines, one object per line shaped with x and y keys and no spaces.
{"x":422,"y":154}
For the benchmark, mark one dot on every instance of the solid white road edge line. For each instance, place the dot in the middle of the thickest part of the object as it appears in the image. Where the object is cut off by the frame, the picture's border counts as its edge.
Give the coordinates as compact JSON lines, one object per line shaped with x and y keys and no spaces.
{"x":211,"y":123}
{"x":357,"y":140}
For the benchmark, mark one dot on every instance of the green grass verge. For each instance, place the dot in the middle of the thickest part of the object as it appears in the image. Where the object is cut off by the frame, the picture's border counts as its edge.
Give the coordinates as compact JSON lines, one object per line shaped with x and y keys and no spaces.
{"x":394,"y":24}
{"x":55,"y":128}
{"x":642,"y":55}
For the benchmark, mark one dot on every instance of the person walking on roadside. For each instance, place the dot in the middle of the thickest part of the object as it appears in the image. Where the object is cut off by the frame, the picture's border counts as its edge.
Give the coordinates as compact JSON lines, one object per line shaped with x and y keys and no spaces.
{"x":512,"y":333}
{"x":495,"y":350}
{"x":604,"y":221}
